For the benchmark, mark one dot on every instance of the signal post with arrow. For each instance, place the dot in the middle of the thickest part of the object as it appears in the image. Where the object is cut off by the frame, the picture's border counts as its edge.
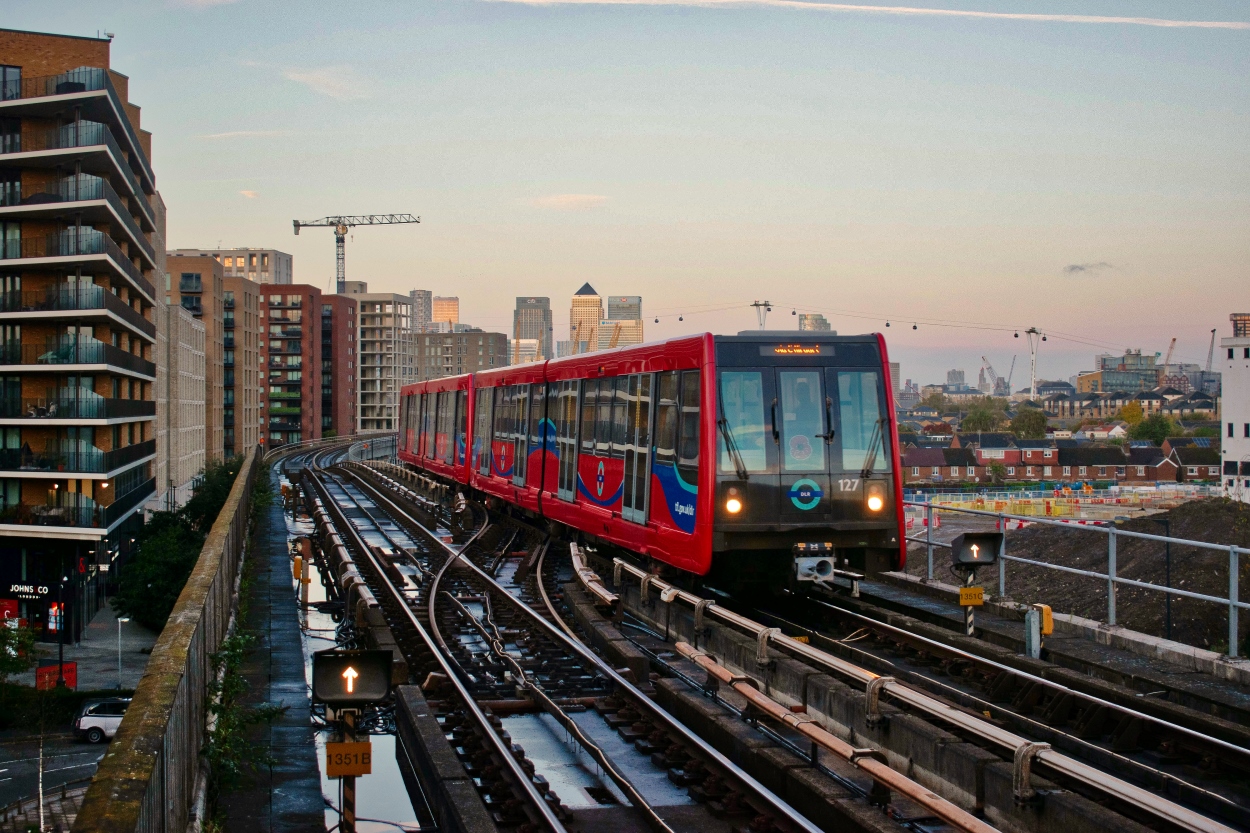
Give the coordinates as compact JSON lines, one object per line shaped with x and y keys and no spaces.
{"x":969,"y":551}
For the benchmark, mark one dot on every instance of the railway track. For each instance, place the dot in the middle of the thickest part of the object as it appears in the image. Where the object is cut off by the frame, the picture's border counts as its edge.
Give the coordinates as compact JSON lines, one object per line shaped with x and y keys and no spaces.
{"x":483,"y":652}
{"x":493,"y":621}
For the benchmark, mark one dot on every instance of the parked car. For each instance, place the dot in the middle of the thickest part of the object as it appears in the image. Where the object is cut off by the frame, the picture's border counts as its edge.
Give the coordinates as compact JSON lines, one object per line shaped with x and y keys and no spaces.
{"x":99,"y":719}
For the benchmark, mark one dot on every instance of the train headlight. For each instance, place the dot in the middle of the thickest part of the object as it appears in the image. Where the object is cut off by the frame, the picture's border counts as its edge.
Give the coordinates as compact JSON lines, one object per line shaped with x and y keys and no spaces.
{"x":733,"y":506}
{"x":876,"y":497}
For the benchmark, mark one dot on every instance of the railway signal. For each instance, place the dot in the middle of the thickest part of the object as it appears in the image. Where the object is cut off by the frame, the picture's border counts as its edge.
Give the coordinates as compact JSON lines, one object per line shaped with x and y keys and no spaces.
{"x":969,"y":551}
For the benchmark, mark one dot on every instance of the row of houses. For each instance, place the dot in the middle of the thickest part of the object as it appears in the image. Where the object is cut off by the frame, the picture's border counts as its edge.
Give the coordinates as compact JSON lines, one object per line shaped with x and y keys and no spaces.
{"x":1167,"y":401}
{"x":1001,"y":458}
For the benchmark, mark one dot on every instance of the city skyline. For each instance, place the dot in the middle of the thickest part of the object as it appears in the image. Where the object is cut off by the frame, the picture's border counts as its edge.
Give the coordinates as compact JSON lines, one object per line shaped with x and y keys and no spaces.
{"x":915,"y":167}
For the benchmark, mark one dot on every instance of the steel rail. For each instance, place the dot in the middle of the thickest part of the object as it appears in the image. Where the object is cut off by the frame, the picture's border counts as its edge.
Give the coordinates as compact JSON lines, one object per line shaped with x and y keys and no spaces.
{"x":594,"y":750}
{"x":485,"y":729}
{"x":863,"y":759}
{"x":774,"y":803}
{"x":894,"y":630}
{"x":1135,"y":796}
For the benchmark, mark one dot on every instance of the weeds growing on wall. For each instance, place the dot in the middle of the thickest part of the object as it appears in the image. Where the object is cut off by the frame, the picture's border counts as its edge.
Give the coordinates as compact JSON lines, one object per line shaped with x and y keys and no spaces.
{"x":232,"y":755}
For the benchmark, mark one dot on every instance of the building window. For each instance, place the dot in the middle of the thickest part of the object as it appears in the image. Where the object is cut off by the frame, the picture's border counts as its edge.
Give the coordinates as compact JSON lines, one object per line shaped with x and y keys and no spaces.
{"x":1045,"y":471}
{"x":915,"y":471}
{"x":1230,"y":429}
{"x":1082,"y":471}
{"x":1102,"y":471}
{"x":1141,"y":471}
{"x":1193,"y":471}
{"x":1067,"y":471}
{"x":1011,"y":471}
{"x":1047,"y":453}
{"x":937,"y":471}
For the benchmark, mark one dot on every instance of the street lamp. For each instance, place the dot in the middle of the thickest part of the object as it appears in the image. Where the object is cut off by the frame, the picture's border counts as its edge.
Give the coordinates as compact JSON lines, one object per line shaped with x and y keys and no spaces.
{"x":120,"y":619}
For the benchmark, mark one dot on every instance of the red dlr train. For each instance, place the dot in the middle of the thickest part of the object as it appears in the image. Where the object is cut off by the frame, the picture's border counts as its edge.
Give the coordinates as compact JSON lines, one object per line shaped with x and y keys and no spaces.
{"x":759,"y":461}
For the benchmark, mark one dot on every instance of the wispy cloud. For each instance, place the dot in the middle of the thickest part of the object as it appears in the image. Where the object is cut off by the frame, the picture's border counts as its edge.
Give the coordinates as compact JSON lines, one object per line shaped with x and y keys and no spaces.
{"x":569,"y":202}
{"x":251,"y":195}
{"x":243,"y":134}
{"x":202,"y":4}
{"x":1077,"y":268}
{"x":815,"y":5}
{"x":339,"y":82}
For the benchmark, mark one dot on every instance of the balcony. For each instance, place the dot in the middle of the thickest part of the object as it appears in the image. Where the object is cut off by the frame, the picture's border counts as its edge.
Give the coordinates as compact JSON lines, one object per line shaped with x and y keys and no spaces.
{"x":69,"y":351}
{"x":76,"y":242}
{"x":95,"y":94}
{"x":83,"y":188}
{"x":82,"y":459}
{"x":87,"y":405}
{"x":228,"y":341}
{"x":94,"y":148}
{"x":285,"y":410}
{"x":71,"y":298}
{"x":284,"y":425}
{"x":76,"y":509}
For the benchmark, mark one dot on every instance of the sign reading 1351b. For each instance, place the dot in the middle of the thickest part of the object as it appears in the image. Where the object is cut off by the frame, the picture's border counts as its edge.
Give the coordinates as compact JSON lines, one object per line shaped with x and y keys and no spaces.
{"x":350,"y":678}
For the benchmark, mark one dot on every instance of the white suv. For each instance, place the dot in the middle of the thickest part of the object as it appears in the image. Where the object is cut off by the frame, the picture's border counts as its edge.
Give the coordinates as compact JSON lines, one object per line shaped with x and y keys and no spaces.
{"x":99,"y":719}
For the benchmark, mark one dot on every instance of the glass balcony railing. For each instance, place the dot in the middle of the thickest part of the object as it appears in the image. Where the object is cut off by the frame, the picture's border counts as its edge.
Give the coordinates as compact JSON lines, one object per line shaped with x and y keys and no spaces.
{"x":90,"y":406}
{"x":64,"y":350}
{"x":85,"y":187}
{"x":76,"y":509}
{"x":80,"y":80}
{"x":75,"y":459}
{"x":69,"y":298}
{"x":84,"y":134}
{"x":76,"y":241}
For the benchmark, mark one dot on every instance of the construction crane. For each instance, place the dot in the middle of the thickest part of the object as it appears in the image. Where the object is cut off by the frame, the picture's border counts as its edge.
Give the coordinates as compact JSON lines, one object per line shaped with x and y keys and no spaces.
{"x":616,"y":335}
{"x":1211,"y":352}
{"x":341,"y":225}
{"x":1167,"y":361}
{"x":1002,"y":387}
{"x":1011,"y":373}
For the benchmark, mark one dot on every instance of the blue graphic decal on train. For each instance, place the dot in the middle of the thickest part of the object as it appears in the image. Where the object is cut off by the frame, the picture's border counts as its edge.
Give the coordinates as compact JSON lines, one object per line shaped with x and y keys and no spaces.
{"x":595,"y":499}
{"x":678,"y":495}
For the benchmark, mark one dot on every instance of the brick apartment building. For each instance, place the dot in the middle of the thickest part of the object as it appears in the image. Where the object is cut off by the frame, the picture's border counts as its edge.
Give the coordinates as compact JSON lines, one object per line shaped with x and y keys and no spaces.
{"x":338,"y":365}
{"x":241,"y":365}
{"x":81,"y":253}
{"x":197,"y":283}
{"x":290,"y":411}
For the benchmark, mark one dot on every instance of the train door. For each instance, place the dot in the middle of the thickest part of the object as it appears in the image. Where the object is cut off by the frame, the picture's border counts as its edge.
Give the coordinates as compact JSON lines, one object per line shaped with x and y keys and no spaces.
{"x":566,"y":440}
{"x":637,"y":447}
{"x":483,"y":402}
{"x":801,"y":415}
{"x":537,"y":431}
{"x":520,"y":421}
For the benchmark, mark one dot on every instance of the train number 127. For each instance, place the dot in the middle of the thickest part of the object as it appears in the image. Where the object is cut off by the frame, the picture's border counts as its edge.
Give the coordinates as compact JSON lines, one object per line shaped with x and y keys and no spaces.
{"x":848,"y":484}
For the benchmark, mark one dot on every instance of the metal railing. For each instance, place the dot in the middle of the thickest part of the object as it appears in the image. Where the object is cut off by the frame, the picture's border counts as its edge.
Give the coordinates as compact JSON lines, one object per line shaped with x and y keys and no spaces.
{"x":81,"y":80}
{"x":1113,"y":535}
{"x":73,"y":351}
{"x":76,"y":509}
{"x":147,"y":783}
{"x":85,"y":187}
{"x":77,"y":241}
{"x":89,"y":460}
{"x":74,"y":407}
{"x":70,"y":298}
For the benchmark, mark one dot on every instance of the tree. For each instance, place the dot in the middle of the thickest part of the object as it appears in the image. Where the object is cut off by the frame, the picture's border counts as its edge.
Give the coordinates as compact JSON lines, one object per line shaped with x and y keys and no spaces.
{"x":154,"y":576}
{"x":1155,"y":427}
{"x":984,"y":415}
{"x":936,"y":401}
{"x":1131,"y":413}
{"x":17,"y":649}
{"x":1029,"y":423}
{"x":998,"y":472}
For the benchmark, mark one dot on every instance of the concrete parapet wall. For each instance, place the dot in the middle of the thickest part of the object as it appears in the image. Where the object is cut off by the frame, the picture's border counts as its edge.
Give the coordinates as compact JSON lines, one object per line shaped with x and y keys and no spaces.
{"x":147,"y":780}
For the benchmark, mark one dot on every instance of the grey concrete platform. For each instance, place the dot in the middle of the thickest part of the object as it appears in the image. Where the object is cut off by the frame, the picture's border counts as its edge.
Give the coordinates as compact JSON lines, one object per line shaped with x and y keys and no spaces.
{"x":288,"y":796}
{"x":1068,"y":650}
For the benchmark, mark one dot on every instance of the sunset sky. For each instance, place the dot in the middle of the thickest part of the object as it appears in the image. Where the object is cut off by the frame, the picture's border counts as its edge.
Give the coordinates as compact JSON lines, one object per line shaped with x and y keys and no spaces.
{"x":1079,"y":167}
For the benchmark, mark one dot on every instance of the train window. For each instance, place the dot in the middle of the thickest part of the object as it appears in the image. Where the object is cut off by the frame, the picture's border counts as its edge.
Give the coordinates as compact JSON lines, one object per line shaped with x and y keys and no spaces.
{"x":861,"y":425}
{"x":742,"y":403}
{"x":637,"y":447}
{"x":566,"y":440}
{"x":603,"y":420}
{"x":666,"y":418}
{"x":520,"y":412}
{"x":589,"y":388}
{"x":802,"y":420}
{"x":620,"y":415}
{"x":537,"y":410}
{"x":688,"y":436}
{"x":483,"y":411}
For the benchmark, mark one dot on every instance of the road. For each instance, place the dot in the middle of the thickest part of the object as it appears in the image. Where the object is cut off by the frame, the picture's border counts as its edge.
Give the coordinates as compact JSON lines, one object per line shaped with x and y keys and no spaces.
{"x":64,"y":759}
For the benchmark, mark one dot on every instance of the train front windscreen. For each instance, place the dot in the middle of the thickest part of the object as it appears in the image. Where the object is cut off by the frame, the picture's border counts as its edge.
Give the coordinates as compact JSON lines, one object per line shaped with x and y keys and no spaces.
{"x":804,"y":454}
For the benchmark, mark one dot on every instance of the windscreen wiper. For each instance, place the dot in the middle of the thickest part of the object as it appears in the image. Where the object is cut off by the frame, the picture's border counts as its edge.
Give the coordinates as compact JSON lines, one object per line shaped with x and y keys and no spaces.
{"x":874,"y":443}
{"x":732,"y":447}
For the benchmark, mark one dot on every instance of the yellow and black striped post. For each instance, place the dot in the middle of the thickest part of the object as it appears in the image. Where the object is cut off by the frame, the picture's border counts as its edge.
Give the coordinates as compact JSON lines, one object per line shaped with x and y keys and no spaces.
{"x":347,"y":822}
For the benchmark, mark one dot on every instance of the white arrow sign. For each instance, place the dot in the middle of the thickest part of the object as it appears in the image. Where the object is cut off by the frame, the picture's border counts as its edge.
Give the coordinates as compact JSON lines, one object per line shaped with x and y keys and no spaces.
{"x":350,"y":675}
{"x":975,"y":550}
